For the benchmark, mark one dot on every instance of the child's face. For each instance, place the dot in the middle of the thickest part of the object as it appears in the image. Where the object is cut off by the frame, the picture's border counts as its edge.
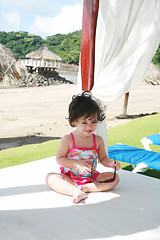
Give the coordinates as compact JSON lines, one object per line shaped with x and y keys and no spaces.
{"x":86,"y":126}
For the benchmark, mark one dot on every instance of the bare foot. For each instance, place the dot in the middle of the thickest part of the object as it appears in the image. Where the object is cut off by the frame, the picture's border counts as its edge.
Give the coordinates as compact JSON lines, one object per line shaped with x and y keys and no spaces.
{"x":79,"y":195}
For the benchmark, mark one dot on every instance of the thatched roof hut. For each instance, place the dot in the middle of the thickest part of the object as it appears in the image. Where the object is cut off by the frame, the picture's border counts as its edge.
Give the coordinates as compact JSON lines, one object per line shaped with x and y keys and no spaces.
{"x":43,"y":53}
{"x":10,"y":69}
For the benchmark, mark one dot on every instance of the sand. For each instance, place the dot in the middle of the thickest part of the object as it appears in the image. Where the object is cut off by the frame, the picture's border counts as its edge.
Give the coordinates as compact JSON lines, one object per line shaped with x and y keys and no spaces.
{"x":41,"y":112}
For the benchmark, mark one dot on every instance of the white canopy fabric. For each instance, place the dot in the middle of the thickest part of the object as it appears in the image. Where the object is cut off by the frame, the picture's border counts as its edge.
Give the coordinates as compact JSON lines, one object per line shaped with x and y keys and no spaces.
{"x":127,"y":36}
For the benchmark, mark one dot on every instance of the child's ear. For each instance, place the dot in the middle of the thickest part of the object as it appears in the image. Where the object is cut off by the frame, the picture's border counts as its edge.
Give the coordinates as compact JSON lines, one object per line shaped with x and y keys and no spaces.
{"x":74,"y":124}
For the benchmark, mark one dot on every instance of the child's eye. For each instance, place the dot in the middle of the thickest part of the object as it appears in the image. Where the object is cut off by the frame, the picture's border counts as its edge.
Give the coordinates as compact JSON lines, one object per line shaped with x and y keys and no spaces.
{"x":94,"y":122}
{"x":84,"y":123}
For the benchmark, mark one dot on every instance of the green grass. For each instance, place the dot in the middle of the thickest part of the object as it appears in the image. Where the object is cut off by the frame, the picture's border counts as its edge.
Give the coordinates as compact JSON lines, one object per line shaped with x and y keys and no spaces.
{"x":130,"y":133}
{"x":28,"y":153}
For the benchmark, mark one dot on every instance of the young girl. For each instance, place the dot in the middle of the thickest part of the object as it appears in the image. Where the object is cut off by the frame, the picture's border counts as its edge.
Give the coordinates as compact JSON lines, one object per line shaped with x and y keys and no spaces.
{"x":79,"y":152}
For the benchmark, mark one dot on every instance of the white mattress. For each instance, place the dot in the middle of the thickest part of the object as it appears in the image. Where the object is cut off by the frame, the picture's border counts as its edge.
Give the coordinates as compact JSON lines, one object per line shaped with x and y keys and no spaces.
{"x":30,"y":210}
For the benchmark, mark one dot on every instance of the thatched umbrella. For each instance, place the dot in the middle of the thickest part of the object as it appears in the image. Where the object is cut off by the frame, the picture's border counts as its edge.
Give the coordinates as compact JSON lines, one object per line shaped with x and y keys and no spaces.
{"x":10,"y":69}
{"x":153,"y":75}
{"x":43,"y":53}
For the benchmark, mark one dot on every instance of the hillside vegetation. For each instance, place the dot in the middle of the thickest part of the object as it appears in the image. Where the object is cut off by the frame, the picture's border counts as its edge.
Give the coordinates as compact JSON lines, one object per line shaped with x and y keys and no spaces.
{"x":67,"y":46}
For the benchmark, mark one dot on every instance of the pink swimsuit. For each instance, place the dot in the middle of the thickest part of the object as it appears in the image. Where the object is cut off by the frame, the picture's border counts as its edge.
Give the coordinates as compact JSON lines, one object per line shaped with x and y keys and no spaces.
{"x":82,"y":153}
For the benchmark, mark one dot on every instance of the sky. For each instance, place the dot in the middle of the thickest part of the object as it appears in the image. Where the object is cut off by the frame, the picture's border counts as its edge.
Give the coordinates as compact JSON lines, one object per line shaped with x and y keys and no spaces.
{"x":41,"y":17}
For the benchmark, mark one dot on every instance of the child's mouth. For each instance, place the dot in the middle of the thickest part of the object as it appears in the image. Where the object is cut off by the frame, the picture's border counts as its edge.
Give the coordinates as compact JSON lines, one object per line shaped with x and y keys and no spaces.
{"x":88,"y":131}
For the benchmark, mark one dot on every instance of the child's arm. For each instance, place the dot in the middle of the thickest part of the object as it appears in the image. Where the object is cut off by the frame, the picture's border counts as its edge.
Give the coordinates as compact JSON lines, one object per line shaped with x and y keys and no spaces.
{"x":103,"y":158}
{"x":63,"y":160}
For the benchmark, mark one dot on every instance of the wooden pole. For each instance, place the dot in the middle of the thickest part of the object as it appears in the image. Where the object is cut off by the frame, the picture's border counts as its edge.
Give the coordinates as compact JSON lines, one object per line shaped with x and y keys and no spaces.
{"x":89,"y":23}
{"x":124,"y":113}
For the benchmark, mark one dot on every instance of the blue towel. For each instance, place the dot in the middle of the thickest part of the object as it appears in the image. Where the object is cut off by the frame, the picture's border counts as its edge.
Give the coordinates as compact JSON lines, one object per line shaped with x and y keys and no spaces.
{"x":133,"y":155}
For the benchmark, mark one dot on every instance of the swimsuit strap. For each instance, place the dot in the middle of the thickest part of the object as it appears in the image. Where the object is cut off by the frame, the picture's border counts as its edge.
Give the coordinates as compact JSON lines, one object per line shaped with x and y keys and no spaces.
{"x":94,"y":140}
{"x":73,"y":146}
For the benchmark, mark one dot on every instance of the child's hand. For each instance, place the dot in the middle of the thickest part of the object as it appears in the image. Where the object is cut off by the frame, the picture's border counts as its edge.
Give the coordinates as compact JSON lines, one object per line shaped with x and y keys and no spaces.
{"x":115,"y":164}
{"x":83,"y":166}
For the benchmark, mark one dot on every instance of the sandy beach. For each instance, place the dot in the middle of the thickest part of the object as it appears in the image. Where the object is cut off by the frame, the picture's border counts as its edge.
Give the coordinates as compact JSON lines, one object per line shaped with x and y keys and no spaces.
{"x":39,"y":114}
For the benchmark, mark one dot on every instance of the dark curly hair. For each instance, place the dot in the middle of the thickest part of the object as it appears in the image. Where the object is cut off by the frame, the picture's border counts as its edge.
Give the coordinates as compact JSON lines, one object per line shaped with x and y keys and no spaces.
{"x":84,"y":105}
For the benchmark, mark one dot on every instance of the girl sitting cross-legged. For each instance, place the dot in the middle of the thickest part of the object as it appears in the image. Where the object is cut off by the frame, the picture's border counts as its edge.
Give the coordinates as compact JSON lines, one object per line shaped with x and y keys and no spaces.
{"x":79,"y":152}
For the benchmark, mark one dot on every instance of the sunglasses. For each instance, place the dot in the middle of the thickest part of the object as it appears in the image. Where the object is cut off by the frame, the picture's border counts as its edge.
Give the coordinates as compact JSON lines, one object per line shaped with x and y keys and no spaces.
{"x":108,"y":180}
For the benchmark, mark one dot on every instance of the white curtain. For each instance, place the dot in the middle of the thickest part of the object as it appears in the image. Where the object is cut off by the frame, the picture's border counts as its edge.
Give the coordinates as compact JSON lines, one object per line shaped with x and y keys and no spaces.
{"x":127,"y":36}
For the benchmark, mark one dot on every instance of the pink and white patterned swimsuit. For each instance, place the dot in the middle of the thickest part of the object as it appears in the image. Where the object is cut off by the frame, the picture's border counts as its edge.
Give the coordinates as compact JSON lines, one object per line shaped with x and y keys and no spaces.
{"x":82,"y":153}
